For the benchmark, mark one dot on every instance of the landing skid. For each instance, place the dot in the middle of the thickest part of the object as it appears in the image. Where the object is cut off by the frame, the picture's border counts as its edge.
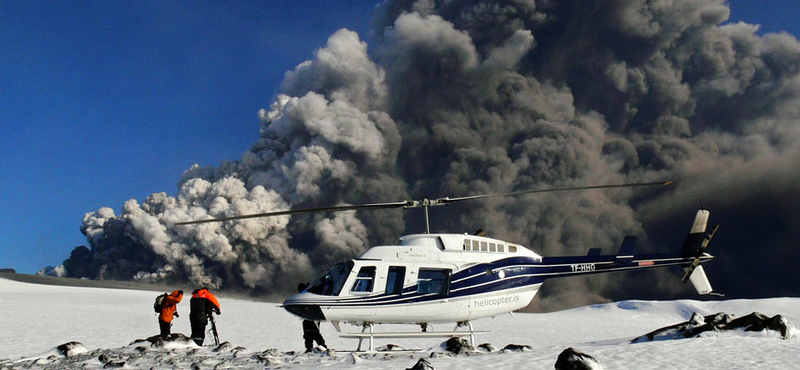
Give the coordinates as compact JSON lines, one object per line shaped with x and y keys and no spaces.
{"x":398,"y":351}
{"x":371,"y":335}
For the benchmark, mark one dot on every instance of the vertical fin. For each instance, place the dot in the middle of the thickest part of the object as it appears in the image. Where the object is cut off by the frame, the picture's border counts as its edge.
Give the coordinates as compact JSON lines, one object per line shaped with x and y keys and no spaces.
{"x":628,"y":245}
{"x":692,"y":244}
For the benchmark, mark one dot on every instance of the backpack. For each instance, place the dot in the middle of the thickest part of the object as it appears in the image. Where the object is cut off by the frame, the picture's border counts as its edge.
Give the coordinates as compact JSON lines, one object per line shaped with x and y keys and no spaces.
{"x":159,"y":303}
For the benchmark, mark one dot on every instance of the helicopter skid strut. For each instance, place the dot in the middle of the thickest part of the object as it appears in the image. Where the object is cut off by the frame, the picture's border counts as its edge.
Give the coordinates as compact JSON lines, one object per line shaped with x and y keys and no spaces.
{"x":371,"y":334}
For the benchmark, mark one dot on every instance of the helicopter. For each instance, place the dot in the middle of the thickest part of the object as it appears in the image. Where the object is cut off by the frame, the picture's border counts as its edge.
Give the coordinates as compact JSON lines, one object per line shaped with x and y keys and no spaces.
{"x":458,"y":278}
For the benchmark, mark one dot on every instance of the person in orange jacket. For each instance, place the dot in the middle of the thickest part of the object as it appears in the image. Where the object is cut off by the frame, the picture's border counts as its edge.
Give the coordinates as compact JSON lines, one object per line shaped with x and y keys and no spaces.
{"x":202,"y":304}
{"x":168,"y":310}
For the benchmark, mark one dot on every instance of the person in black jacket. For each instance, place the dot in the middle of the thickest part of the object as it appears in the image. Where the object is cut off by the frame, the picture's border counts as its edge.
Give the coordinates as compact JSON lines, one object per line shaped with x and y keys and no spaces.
{"x":202,"y":304}
{"x":311,"y":329}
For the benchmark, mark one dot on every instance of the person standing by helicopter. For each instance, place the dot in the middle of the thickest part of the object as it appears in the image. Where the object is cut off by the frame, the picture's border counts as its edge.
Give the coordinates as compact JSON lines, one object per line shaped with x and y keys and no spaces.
{"x":311,"y":332}
{"x":202,"y":305}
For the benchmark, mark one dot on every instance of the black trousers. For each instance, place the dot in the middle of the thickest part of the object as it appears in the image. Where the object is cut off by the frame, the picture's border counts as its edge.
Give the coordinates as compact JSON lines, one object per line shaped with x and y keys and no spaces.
{"x":198,"y":333}
{"x":311,"y":337}
{"x":164,"y":326}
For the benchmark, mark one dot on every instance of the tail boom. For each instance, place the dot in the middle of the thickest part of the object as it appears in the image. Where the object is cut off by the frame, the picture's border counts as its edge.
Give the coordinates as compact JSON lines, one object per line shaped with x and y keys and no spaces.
{"x":690,"y":258}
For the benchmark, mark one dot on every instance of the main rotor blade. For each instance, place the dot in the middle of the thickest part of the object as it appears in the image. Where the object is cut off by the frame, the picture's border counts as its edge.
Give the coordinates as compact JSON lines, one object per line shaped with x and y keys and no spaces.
{"x":304,"y":210}
{"x":413,"y":204}
{"x":481,"y":196}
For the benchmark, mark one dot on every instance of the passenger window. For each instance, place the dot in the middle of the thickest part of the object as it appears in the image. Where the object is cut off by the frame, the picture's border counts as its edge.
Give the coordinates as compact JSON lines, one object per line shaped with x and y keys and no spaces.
{"x":395,"y":279}
{"x":500,"y":248}
{"x":484,"y":248}
{"x":466,"y":244}
{"x":364,"y":280}
{"x":512,"y":249}
{"x":435,"y":281}
{"x":475,"y":246}
{"x":492,"y":247}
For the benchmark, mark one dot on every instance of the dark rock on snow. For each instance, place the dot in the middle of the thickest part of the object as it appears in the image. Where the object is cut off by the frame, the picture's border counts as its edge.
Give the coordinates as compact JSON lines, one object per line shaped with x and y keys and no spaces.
{"x":699,"y":324}
{"x":571,"y":359}
{"x":516,"y":348}
{"x":109,"y":363}
{"x":488,"y":347}
{"x":758,"y":322}
{"x":422,"y":364}
{"x":158,"y":341}
{"x":71,"y":349}
{"x":270,"y":356}
{"x":113,"y":364}
{"x":458,"y":346}
{"x":224,"y":346}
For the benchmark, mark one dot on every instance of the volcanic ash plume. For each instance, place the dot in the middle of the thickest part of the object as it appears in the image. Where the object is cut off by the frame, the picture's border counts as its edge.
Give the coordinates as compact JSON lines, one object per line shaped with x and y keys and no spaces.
{"x":460,"y":98}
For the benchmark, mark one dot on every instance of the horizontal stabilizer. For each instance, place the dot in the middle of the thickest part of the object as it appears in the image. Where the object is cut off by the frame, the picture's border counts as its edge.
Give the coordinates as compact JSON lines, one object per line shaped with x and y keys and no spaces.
{"x":700,"y":252}
{"x":628,"y":245}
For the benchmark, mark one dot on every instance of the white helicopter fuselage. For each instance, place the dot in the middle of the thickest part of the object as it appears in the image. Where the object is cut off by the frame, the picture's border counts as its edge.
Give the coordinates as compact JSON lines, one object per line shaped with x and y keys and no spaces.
{"x":427,"y":278}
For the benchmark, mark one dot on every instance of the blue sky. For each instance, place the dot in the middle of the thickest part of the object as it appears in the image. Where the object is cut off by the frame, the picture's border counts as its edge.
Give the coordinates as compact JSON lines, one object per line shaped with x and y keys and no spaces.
{"x":101,"y":102}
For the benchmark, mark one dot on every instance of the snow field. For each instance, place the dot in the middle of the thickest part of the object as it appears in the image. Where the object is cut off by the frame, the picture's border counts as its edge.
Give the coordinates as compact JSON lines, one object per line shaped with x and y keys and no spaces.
{"x":37,"y":318}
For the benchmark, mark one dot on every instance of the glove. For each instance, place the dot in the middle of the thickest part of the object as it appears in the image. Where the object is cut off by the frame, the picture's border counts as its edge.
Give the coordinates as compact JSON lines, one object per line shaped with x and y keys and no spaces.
{"x":216,"y":310}
{"x":176,"y":314}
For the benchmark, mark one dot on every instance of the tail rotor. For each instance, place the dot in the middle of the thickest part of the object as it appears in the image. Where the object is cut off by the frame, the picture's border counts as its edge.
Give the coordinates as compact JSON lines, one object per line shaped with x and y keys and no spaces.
{"x":695,"y":246}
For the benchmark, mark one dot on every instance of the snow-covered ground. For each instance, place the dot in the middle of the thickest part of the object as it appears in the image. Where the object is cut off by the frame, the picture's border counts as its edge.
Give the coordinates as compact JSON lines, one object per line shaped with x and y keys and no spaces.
{"x":36,"y":318}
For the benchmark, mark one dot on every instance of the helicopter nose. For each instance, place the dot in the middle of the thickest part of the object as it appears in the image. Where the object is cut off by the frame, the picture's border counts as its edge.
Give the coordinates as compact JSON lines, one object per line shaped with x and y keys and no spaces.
{"x":302,"y":305}
{"x":306,"y":311}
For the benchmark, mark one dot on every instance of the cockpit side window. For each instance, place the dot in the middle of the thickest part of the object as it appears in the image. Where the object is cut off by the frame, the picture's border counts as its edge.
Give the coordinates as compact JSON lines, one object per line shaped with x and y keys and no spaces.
{"x":365,"y":279}
{"x":435,"y":281}
{"x":332,"y":281}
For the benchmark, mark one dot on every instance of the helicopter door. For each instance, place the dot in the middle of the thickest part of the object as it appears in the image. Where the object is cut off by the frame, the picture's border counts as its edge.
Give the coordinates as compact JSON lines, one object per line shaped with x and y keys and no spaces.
{"x":394,"y":308}
{"x":363,"y":286}
{"x":395,"y":279}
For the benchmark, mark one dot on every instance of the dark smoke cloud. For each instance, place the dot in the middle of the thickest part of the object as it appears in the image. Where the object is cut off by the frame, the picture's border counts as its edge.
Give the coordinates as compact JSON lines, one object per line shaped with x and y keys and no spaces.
{"x":457,"y":98}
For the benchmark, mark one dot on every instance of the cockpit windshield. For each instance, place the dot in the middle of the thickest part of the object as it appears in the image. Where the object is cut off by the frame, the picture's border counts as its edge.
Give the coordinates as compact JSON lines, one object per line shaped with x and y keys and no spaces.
{"x":332,"y":281}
